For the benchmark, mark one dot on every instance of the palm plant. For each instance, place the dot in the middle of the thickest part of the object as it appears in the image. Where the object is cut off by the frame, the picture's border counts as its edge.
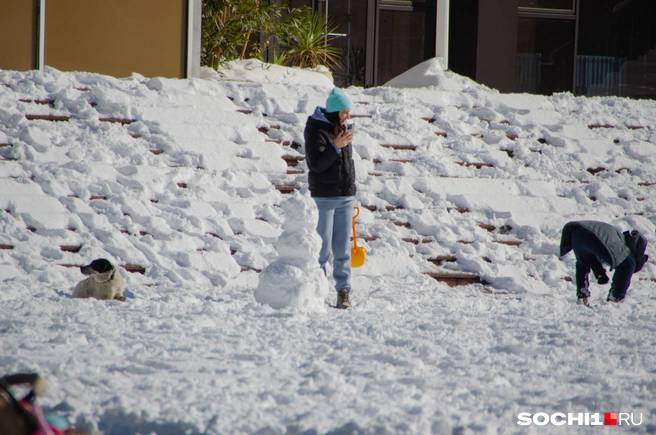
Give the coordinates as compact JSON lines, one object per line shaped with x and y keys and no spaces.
{"x":305,"y":40}
{"x":279,"y":58}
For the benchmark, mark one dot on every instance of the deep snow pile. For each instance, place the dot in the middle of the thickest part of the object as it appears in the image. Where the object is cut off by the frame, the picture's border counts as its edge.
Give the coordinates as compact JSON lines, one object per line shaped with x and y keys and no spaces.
{"x":182,"y":180}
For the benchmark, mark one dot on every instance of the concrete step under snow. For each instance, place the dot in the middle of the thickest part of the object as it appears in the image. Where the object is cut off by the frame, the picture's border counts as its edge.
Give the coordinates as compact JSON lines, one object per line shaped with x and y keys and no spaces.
{"x":25,"y":199}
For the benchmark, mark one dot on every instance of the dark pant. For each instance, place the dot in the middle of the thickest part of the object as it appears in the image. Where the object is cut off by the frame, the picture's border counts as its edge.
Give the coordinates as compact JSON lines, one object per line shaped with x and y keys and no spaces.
{"x":589,"y":251}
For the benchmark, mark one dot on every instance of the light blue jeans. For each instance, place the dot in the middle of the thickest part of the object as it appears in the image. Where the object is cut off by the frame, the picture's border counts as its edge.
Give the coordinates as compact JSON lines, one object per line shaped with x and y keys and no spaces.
{"x":334,"y":227}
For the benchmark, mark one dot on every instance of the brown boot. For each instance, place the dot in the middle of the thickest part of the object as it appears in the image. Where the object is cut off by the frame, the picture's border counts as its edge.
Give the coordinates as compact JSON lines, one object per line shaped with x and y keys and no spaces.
{"x":584,"y":301}
{"x":343,"y":299}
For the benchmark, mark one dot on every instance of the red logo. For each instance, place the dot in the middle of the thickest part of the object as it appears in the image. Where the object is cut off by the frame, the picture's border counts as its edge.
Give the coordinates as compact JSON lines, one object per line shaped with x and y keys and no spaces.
{"x":610,"y":419}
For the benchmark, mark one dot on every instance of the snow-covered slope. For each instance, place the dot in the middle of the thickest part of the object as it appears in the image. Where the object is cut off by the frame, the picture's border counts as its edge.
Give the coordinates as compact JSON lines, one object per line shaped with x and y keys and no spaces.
{"x":182,"y":180}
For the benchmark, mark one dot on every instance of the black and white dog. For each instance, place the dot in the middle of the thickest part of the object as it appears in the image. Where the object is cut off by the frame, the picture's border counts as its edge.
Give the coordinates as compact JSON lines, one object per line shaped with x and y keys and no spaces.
{"x":105,"y":282}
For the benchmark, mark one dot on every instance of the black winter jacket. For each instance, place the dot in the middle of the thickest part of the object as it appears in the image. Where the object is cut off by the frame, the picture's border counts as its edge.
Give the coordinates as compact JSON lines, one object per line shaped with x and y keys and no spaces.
{"x":332,"y":173}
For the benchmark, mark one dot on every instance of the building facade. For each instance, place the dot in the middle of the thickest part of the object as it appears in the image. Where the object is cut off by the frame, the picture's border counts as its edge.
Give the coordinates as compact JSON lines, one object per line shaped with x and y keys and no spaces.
{"x":114,"y":37}
{"x":381,"y":39}
{"x":587,"y":47}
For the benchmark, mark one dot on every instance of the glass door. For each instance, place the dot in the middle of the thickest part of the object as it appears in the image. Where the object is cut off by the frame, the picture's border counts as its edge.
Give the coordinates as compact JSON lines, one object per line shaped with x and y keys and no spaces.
{"x":545,"y":56}
{"x":546,"y":46}
{"x":406,"y":36}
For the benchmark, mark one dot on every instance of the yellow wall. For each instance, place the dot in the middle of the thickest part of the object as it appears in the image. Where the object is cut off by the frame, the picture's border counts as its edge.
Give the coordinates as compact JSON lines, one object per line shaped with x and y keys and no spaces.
{"x":117,"y":37}
{"x":18,"y":34}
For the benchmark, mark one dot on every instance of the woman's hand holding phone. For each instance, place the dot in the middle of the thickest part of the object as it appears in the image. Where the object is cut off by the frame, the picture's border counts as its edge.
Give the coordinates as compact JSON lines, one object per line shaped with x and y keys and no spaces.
{"x":343,"y":139}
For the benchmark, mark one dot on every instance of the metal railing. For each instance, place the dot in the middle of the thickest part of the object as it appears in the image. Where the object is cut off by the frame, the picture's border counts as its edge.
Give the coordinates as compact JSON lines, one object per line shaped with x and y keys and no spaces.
{"x":599,"y":75}
{"x":527,"y":73}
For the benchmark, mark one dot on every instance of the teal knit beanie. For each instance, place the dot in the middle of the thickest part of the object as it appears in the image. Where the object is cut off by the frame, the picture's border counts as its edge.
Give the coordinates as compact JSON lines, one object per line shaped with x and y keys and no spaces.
{"x":337,"y":100}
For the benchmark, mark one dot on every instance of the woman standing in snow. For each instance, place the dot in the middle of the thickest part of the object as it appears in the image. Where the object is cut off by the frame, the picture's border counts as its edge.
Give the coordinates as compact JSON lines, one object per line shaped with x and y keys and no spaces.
{"x":328,"y":153}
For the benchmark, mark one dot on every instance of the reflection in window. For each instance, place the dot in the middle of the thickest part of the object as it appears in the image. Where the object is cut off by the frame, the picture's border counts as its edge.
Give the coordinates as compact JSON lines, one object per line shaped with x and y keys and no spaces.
{"x":545,"y":56}
{"x":547,"y":4}
{"x":616,"y":52}
{"x":405,"y":40}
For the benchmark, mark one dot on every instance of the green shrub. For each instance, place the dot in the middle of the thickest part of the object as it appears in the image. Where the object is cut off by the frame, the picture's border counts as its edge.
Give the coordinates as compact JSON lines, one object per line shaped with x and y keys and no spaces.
{"x":227,"y":26}
{"x":299,"y":36}
{"x":307,"y":44}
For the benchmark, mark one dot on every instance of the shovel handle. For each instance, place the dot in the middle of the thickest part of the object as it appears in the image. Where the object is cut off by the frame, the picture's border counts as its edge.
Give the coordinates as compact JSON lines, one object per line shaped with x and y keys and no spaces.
{"x":355,"y":236}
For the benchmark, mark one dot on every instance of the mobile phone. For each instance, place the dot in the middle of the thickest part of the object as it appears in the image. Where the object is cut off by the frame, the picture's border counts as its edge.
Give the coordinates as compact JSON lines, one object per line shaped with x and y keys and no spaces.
{"x":350,"y":128}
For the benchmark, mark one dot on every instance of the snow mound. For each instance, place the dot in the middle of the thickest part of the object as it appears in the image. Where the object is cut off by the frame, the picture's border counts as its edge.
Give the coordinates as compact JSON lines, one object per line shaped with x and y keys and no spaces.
{"x":431,"y":73}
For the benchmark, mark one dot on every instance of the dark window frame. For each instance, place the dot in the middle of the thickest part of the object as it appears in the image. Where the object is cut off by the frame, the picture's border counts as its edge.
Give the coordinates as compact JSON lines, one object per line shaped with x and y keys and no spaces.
{"x":406,"y":5}
{"x":371,"y":75}
{"x":532,"y":13}
{"x":549,"y":11}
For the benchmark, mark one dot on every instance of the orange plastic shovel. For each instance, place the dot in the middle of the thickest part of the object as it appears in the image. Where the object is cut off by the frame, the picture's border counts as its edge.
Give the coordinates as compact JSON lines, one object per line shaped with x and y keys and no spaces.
{"x":358,"y":254}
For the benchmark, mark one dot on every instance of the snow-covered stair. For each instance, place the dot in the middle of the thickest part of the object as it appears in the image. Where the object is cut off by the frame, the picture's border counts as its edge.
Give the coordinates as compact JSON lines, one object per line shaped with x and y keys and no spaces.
{"x":449,"y":181}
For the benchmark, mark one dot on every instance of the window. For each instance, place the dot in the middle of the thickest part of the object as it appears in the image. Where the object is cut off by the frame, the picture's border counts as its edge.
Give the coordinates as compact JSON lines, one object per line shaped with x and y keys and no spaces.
{"x":405,"y":39}
{"x":406,"y":36}
{"x":616,"y":53}
{"x":545,"y":56}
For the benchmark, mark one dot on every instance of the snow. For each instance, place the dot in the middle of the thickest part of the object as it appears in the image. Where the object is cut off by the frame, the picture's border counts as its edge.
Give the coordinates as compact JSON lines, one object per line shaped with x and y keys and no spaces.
{"x":205,"y":344}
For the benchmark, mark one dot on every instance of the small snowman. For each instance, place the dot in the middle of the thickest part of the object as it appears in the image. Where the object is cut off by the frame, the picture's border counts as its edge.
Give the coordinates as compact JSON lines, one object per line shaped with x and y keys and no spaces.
{"x":295,"y":279}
